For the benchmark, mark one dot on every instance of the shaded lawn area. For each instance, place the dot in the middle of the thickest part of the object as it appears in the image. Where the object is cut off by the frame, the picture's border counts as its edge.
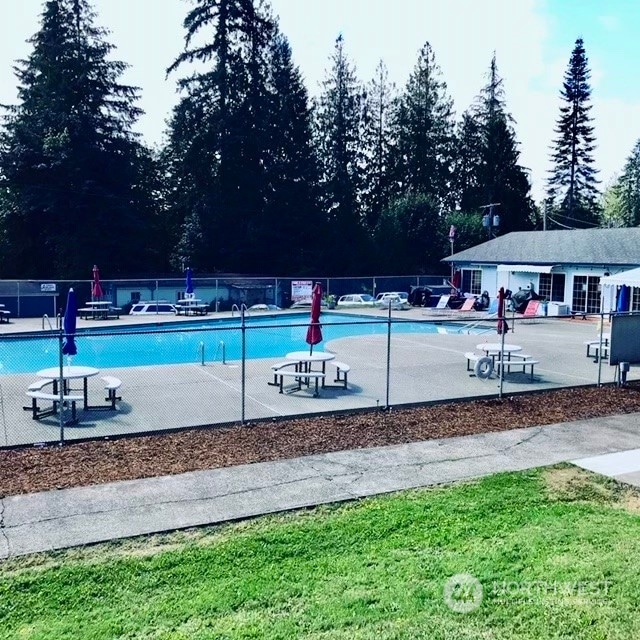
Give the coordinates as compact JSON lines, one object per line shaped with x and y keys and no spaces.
{"x":554,"y":550}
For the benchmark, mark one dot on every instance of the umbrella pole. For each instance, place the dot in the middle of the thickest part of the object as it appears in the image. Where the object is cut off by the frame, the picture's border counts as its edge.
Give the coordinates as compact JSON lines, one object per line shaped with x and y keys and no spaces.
{"x":386,"y":404}
{"x":243,"y":328}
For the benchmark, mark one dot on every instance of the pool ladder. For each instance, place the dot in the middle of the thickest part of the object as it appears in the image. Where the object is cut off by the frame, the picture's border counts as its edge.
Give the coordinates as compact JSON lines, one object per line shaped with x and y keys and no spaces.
{"x":239,"y":309}
{"x":472,"y":325}
{"x":221,"y":348}
{"x":45,"y":319}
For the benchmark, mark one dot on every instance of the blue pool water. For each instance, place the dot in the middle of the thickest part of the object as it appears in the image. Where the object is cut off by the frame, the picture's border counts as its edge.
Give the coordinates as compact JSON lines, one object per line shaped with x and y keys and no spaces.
{"x":146,"y":345}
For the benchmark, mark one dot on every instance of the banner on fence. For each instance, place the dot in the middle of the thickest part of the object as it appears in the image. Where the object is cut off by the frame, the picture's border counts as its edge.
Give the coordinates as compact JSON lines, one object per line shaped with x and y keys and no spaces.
{"x":301,"y":290}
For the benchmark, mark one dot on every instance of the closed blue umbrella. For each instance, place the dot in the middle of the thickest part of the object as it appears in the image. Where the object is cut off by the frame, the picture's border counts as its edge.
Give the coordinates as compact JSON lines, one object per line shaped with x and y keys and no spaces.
{"x":189,"y":283}
{"x":623,"y":298}
{"x":69,"y":325}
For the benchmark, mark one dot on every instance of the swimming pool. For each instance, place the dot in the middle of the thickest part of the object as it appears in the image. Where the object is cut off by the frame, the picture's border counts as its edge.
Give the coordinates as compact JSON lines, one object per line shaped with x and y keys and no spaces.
{"x":184,"y":342}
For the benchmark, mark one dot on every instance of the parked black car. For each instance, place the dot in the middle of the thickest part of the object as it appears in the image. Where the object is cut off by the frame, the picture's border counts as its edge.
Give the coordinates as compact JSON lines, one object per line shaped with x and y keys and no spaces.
{"x":429,"y":296}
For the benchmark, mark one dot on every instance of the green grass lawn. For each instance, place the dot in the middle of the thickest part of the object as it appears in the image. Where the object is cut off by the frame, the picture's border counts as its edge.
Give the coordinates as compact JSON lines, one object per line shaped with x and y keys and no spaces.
{"x":554,"y":550}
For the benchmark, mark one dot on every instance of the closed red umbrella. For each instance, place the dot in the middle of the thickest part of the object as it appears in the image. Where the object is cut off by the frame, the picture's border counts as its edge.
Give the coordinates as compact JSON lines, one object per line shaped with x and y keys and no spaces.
{"x":314,"y":332}
{"x":456,"y":280}
{"x":96,"y":287}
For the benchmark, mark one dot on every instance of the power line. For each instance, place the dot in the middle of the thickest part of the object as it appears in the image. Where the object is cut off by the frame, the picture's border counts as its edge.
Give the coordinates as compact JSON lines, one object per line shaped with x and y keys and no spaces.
{"x":566,"y":217}
{"x":559,"y":224}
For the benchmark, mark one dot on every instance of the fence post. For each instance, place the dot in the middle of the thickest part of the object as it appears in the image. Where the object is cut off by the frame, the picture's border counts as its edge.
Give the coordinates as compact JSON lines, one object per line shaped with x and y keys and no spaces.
{"x":600,"y":349}
{"x":388,"y":355}
{"x":502,"y":322}
{"x":61,"y":388}
{"x":244,"y":359}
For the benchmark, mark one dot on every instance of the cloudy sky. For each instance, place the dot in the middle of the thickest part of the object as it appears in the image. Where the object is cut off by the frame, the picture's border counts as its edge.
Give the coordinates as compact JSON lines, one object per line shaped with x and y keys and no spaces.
{"x":532,"y":39}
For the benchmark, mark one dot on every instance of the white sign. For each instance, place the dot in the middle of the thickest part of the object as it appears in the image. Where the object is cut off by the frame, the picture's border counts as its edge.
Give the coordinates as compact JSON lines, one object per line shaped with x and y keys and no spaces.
{"x":48,"y":287}
{"x":301,"y":290}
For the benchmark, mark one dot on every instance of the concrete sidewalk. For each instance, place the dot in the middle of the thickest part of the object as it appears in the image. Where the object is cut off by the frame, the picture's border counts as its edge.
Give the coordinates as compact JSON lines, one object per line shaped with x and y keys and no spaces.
{"x":71,"y":517}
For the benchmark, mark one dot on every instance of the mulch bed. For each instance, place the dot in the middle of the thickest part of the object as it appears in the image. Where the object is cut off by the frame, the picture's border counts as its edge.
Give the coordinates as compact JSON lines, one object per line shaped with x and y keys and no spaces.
{"x":86,"y":463}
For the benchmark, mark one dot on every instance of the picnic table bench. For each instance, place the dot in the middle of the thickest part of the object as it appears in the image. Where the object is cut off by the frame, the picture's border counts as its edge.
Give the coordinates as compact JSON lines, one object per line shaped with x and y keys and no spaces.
{"x":301,"y":377}
{"x":67,"y":398}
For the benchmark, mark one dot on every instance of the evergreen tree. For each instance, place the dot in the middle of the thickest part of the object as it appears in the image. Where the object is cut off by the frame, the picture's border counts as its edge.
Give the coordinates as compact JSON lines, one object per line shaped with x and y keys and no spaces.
{"x":469,"y":230}
{"x":627,"y":189}
{"x":488,"y":142}
{"x":218,"y":133}
{"x":412,"y":235}
{"x":74,"y":175}
{"x":424,"y":129}
{"x":612,"y":210}
{"x":378,"y":143}
{"x":338,"y":127}
{"x":469,"y":156}
{"x":572,"y":185}
{"x":189,"y":168}
{"x":291,"y":214}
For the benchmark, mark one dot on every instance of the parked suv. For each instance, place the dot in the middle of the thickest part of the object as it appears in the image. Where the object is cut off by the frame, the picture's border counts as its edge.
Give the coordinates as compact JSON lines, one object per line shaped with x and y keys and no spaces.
{"x":391,"y":294}
{"x":398,"y":300}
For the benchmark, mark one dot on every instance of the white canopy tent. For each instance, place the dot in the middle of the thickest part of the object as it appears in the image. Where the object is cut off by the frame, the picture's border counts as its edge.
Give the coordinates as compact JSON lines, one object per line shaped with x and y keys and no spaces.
{"x":609,"y":284}
{"x":631,"y":278}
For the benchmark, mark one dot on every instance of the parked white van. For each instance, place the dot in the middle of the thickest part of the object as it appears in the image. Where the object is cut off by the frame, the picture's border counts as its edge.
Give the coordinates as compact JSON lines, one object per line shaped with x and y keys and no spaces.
{"x":154,"y":307}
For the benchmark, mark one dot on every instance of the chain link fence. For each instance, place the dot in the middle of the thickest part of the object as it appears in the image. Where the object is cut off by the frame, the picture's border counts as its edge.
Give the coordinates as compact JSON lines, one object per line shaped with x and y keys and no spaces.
{"x":23,"y":299}
{"x":154,"y":377}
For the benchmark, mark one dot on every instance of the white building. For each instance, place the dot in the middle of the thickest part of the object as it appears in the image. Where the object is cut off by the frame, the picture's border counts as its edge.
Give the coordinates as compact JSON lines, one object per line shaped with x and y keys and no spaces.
{"x":564,"y":267}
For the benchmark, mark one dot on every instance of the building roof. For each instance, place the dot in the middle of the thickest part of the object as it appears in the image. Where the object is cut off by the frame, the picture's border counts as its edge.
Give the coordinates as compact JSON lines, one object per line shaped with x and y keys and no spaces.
{"x":605,"y":247}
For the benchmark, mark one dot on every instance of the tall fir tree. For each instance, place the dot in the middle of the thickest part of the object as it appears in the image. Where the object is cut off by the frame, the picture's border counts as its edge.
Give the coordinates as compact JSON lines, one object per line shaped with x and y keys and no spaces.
{"x":217,"y":133}
{"x":424,"y":130}
{"x":378,"y":142}
{"x":572,"y":187}
{"x":291,"y":216}
{"x":75,"y":177}
{"x":469,"y":156}
{"x":337,"y":134}
{"x":488,"y":141}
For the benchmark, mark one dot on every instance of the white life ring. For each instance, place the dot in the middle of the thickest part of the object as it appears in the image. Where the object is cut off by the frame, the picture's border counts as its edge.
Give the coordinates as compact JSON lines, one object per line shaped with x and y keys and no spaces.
{"x":483,"y":367}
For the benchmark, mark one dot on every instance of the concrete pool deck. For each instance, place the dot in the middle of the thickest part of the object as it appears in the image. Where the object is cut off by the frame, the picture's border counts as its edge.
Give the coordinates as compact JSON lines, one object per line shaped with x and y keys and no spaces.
{"x":423,"y":368}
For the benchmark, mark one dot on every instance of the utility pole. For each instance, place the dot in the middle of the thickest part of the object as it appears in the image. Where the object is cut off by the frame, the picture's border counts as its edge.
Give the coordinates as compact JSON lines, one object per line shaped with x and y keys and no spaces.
{"x":452,"y":237}
{"x":490,"y":220}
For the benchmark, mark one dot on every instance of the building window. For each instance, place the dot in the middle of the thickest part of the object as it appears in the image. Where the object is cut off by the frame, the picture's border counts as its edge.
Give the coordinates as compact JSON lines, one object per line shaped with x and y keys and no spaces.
{"x":551,"y":286}
{"x":471,"y":281}
{"x":635,"y":299}
{"x":586,"y":294}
